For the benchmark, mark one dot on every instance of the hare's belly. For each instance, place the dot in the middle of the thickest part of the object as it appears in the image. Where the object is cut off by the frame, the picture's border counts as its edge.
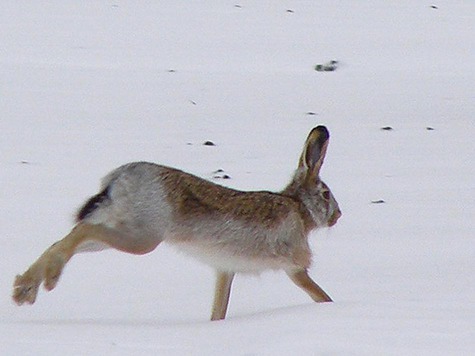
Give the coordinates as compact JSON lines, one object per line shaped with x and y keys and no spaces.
{"x":226,"y":259}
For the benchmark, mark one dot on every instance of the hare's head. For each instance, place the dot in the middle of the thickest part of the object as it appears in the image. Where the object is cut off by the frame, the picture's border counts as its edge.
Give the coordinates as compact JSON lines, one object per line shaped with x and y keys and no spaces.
{"x":308,"y":188}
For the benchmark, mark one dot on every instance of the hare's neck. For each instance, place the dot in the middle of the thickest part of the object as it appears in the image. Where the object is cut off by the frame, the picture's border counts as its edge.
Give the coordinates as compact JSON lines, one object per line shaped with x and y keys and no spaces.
{"x":295,"y":191}
{"x":292,"y":189}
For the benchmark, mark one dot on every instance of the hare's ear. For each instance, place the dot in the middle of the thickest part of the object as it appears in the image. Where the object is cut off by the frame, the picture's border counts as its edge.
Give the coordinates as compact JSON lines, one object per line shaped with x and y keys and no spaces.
{"x":314,"y":150}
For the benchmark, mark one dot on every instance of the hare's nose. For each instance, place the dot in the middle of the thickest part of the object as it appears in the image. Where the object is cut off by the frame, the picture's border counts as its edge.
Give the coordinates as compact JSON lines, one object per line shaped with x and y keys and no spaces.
{"x":334,"y":218}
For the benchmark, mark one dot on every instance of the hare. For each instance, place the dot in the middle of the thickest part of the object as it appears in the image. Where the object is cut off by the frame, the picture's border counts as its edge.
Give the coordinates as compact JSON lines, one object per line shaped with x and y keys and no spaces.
{"x":142,"y":204}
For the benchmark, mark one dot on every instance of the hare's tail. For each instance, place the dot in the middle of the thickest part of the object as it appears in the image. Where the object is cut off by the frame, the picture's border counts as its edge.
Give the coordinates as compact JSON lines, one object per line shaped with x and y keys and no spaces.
{"x":92,"y":204}
{"x":102,"y":198}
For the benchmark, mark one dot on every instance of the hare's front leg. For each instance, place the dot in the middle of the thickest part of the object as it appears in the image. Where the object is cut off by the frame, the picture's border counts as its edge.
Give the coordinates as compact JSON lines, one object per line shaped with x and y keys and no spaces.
{"x":301,"y":278}
{"x":221,"y":295}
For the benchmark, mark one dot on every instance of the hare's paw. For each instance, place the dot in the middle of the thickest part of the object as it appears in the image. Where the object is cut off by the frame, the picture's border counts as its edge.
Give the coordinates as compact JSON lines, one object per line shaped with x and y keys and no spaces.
{"x":25,"y":288}
{"x":53,"y":269}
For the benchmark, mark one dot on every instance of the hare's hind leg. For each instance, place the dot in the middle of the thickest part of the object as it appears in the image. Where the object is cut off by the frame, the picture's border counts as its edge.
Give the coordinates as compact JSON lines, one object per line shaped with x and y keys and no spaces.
{"x":50,"y":264}
{"x":221,"y":295}
{"x":301,"y":278}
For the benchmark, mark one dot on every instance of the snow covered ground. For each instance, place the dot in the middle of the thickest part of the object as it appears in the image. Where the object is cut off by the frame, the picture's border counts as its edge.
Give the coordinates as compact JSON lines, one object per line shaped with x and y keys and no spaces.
{"x":86,"y":86}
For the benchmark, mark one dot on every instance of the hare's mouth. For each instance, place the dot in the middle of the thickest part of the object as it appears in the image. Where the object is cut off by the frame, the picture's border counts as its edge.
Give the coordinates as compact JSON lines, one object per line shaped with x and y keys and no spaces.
{"x":334,"y":218}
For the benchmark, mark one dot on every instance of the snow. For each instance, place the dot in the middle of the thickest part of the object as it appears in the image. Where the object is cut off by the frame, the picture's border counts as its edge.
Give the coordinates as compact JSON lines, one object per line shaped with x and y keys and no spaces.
{"x":87,"y":86}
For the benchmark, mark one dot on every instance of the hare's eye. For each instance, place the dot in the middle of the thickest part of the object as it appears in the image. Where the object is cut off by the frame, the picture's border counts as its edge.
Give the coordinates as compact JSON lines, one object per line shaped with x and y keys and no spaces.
{"x":326,"y":195}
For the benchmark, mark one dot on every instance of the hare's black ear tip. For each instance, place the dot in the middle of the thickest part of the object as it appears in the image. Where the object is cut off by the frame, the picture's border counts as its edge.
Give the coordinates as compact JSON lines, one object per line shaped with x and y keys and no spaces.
{"x":323,"y":131}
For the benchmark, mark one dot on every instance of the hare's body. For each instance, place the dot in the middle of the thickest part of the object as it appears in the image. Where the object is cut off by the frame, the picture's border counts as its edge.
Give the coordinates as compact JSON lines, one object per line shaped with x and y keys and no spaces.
{"x":225,"y":228}
{"x":143,"y":204}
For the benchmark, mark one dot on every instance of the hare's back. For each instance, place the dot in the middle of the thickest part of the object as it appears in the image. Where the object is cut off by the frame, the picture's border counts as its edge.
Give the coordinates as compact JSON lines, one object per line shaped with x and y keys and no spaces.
{"x":195,"y":198}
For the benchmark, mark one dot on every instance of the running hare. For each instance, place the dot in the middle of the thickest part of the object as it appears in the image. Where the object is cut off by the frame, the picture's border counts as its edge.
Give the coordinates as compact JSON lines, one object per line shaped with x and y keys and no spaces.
{"x":142,"y":204}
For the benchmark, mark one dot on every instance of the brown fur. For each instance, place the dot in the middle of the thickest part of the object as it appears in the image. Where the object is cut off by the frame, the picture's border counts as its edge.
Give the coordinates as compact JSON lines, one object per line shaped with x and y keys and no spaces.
{"x":194,"y":197}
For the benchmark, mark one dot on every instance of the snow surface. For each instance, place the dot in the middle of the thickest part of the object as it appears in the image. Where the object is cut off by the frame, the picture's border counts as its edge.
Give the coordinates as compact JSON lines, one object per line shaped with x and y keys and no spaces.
{"x":88,"y":85}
